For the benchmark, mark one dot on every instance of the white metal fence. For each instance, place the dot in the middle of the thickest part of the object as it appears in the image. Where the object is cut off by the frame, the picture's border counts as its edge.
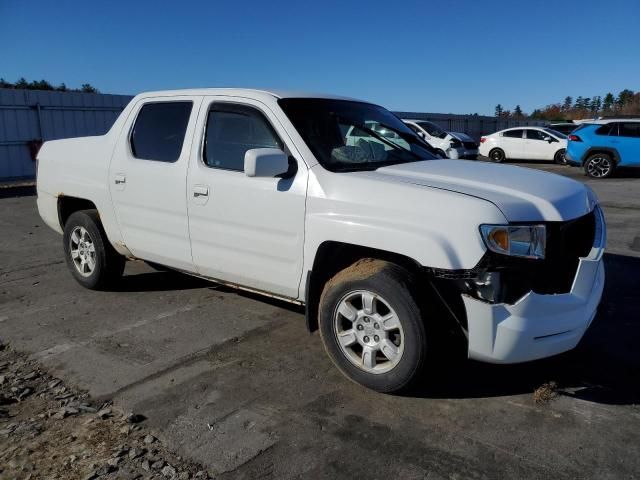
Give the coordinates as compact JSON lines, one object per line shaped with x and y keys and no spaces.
{"x":28,"y":117}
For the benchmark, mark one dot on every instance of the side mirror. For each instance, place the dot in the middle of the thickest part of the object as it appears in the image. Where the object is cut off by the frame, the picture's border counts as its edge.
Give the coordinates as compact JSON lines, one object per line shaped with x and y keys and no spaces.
{"x":265,"y":162}
{"x":549,"y":139}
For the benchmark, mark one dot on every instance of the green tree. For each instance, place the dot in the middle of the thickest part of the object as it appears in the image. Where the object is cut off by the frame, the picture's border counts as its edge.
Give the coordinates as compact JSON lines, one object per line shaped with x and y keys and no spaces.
{"x":499,"y":110}
{"x":567,"y":104}
{"x":607,"y":103}
{"x":62,"y":87}
{"x":624,"y":97}
{"x":517,"y":112}
{"x":579,"y":105}
{"x":88,"y":88}
{"x":596,"y":105}
{"x":22,"y":83}
{"x":5,"y":84}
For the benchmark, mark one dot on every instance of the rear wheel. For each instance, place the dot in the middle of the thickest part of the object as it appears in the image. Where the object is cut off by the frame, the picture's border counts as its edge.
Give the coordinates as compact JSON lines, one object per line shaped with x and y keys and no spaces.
{"x":372,"y":327}
{"x":92,"y":260}
{"x":497,"y":155}
{"x":559,"y":157}
{"x":599,"y":165}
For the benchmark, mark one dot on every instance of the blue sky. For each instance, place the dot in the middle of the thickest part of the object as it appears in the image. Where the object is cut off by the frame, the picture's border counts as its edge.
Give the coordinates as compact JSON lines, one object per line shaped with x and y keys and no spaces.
{"x":436,"y":56}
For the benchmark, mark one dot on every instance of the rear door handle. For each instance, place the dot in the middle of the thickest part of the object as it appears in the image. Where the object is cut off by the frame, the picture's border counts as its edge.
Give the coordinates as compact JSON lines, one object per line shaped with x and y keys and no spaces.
{"x":120,"y":181}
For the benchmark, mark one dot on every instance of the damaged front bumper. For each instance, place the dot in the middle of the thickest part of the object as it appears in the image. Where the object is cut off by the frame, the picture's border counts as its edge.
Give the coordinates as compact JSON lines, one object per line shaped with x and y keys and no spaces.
{"x":536,"y":326}
{"x":549,"y":319}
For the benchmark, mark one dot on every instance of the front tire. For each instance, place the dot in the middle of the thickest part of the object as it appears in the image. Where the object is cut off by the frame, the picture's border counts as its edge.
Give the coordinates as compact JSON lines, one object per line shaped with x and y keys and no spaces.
{"x":559,"y":157}
{"x":92,"y":260}
{"x":599,"y":165}
{"x":371,"y":325}
{"x":497,"y":155}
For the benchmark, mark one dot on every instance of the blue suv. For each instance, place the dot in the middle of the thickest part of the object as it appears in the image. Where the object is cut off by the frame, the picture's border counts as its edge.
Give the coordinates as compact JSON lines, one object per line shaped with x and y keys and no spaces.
{"x":604,"y":145}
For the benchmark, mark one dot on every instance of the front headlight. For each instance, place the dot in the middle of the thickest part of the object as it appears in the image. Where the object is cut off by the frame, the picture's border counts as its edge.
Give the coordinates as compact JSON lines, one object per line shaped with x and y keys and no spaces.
{"x":528,"y":241}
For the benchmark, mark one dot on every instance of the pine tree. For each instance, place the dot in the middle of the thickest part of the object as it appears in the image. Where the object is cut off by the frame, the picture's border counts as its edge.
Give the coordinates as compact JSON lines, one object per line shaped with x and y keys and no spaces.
{"x":607,"y":103}
{"x":568,"y":103}
{"x":596,"y":105}
{"x":624,"y":97}
{"x":499,"y":110}
{"x":517,"y":112}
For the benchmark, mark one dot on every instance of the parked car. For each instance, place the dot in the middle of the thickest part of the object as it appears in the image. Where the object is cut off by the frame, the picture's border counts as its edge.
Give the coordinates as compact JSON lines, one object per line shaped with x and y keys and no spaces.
{"x":566,"y":127}
{"x":379,"y":240}
{"x":453,"y":145}
{"x":524,"y":143}
{"x":602,"y":146}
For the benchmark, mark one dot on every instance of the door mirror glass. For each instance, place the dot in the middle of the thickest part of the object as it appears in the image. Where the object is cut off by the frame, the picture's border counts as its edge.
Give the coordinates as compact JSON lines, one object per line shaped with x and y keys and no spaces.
{"x":265,"y":162}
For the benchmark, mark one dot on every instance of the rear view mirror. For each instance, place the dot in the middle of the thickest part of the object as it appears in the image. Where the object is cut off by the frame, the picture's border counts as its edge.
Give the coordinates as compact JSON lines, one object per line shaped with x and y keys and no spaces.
{"x":265,"y":162}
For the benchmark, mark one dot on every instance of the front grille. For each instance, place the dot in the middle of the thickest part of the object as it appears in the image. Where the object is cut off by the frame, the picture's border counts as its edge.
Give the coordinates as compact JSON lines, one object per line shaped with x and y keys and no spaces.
{"x":470,"y":145}
{"x":566,"y":243}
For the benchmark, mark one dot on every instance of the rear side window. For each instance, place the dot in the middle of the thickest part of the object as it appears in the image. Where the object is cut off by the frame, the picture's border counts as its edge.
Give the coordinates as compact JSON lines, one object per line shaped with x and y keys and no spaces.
{"x":610,"y":129}
{"x":231,"y":131}
{"x":631,"y":129}
{"x":158,"y":133}
{"x":512,"y":134}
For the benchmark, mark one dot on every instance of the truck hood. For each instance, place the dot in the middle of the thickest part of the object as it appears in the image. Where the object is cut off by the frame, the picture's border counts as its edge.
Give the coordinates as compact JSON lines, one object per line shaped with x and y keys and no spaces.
{"x":521,"y":194}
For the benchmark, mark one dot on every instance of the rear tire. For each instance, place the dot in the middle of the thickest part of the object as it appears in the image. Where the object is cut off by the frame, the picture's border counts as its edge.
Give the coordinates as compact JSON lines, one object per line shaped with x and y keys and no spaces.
{"x":599,"y":165}
{"x":559,"y":157}
{"x":497,"y":155}
{"x":371,"y":325}
{"x":92,"y":260}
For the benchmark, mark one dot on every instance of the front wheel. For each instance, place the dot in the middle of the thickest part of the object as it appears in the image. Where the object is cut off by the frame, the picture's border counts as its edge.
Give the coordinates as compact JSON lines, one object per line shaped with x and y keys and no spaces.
{"x":92,"y":260}
{"x":599,"y":165}
{"x":559,"y":157}
{"x":372,"y":327}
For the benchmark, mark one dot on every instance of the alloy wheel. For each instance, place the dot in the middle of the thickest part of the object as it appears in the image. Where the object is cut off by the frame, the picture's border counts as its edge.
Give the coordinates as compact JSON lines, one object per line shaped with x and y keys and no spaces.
{"x":599,"y":167}
{"x":82,"y":251}
{"x":368,"y":331}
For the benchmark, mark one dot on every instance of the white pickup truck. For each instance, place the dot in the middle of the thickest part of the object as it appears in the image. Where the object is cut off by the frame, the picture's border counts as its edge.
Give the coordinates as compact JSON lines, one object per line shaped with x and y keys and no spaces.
{"x":379,"y":239}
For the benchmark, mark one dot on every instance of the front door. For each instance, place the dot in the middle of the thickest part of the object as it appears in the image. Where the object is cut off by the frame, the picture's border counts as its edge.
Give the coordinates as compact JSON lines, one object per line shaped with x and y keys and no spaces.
{"x":148,"y":176}
{"x":245,"y":230}
{"x":540,"y":145}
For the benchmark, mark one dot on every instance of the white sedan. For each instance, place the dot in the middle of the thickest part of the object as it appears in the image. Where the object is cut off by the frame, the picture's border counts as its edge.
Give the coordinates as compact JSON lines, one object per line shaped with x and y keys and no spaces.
{"x":524,"y":143}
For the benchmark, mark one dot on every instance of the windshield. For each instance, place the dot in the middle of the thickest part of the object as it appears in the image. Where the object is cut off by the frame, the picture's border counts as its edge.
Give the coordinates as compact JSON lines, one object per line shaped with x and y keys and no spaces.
{"x":555,"y":133}
{"x":432,"y":129}
{"x":346,"y":135}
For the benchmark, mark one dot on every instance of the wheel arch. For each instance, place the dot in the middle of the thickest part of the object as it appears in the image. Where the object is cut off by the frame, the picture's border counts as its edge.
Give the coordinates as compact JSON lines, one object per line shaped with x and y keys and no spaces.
{"x":608,"y":150}
{"x":332,"y":257}
{"x":68,"y":205}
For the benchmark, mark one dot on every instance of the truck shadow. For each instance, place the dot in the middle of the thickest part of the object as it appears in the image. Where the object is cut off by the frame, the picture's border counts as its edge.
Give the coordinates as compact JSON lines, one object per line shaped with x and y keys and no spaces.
{"x":604,"y":368}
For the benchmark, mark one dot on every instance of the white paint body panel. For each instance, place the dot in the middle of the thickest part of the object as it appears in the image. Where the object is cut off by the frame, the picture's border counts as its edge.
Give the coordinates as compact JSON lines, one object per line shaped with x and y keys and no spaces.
{"x":264,"y":233}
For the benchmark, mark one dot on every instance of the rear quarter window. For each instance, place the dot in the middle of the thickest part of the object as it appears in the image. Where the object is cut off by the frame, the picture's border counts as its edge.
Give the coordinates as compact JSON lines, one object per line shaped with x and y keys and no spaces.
{"x":159,"y":131}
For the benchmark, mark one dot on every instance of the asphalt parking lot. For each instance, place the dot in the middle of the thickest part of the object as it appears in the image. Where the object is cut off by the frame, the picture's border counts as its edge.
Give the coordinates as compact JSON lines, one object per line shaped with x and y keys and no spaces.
{"x":235,"y":382}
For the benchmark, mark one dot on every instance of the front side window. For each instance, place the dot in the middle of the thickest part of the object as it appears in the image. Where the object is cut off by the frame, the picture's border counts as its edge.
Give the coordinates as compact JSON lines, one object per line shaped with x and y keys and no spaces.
{"x":159,"y":131}
{"x":536,"y":135}
{"x":512,"y":134}
{"x":348,"y":135}
{"x":630,"y":129}
{"x":231,"y":131}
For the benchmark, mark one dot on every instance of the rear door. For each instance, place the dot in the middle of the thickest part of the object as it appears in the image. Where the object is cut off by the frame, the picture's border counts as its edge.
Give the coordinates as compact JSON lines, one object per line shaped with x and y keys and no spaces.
{"x":148,"y":175}
{"x":245,"y":230}
{"x":628,"y":144}
{"x":512,"y":142}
